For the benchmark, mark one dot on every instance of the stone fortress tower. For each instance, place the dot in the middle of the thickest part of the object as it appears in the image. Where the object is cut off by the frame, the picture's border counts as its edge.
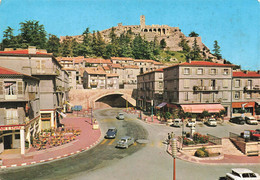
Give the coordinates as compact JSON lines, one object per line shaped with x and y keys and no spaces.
{"x":172,"y":35}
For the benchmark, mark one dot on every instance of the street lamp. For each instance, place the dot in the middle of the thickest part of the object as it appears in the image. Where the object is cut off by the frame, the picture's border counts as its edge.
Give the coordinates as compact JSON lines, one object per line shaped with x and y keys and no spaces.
{"x":174,"y":154}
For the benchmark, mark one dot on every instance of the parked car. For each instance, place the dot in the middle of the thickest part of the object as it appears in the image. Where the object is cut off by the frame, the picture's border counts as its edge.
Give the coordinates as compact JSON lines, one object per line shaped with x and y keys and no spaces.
{"x":177,"y":123}
{"x":111,"y":133}
{"x":237,"y":120}
{"x":120,"y":116}
{"x":251,"y":120}
{"x":254,"y":135}
{"x":191,"y":123}
{"x":125,"y":142}
{"x":242,"y":173}
{"x":211,"y":122}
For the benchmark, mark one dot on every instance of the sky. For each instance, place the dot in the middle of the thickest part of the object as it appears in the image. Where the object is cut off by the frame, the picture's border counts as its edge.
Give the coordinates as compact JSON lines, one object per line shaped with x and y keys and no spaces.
{"x":235,"y":24}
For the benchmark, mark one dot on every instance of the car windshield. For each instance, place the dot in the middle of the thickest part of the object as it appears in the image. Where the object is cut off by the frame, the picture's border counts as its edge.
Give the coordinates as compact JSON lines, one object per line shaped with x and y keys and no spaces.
{"x":123,"y":140}
{"x":252,"y":175}
{"x":111,"y":130}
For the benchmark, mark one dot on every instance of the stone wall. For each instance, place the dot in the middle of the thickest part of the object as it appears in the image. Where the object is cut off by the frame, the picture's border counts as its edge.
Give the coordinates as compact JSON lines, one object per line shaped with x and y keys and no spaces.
{"x":210,"y":148}
{"x":248,"y":148}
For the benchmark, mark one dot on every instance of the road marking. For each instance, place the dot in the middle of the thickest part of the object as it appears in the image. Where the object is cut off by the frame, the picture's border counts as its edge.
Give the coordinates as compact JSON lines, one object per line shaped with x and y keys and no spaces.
{"x":104,"y":141}
{"x":111,"y":142}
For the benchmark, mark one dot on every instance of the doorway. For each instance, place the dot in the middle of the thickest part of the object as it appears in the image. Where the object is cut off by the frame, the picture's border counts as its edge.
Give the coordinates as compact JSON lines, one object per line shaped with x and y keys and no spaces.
{"x":8,"y":142}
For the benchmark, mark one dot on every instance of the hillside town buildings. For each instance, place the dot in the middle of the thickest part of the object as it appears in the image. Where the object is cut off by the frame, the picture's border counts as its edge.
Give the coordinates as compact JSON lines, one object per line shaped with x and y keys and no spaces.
{"x":36,"y":92}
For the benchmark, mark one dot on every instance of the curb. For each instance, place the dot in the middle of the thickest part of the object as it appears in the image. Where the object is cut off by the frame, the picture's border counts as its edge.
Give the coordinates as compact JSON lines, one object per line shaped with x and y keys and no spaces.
{"x":55,"y":158}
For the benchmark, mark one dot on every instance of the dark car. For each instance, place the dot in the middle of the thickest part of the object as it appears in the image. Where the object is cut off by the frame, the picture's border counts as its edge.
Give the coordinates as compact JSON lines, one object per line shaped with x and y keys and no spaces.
{"x":237,"y":120}
{"x":111,"y":133}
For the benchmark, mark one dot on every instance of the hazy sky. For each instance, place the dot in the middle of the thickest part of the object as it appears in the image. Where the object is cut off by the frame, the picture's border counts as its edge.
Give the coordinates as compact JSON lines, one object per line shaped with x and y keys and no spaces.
{"x":235,"y":24}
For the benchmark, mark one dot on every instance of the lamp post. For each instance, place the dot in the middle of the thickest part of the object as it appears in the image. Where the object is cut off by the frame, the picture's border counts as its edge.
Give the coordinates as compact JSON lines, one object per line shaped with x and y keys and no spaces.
{"x":174,"y":154}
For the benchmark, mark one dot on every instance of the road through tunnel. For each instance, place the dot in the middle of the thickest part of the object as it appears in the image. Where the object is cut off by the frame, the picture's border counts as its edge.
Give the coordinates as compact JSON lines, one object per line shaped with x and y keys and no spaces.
{"x":112,"y":100}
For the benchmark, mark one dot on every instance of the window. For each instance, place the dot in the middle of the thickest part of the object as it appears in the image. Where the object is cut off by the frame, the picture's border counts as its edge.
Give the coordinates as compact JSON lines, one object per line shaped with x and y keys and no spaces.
{"x":200,"y":71}
{"x":17,"y":136}
{"x":237,"y":95}
{"x":186,"y":70}
{"x":248,"y":95}
{"x":213,"y":71}
{"x":225,"y":95}
{"x":160,"y":76}
{"x":186,"y":96}
{"x":225,"y":83}
{"x":226,"y":72}
{"x":10,"y":88}
{"x":11,"y":116}
{"x":237,"y":83}
{"x":186,"y":83}
{"x":160,"y":84}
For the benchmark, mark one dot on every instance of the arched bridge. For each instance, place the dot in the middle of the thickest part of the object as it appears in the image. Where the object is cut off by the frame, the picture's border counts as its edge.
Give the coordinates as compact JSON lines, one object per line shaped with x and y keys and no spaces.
{"x":102,"y":98}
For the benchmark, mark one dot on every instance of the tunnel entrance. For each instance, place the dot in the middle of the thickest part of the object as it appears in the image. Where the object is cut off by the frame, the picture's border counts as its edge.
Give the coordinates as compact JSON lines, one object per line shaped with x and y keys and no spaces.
{"x":114,"y":100}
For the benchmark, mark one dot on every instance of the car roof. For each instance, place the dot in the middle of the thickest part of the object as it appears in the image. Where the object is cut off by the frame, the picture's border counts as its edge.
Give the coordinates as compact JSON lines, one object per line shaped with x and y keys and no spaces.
{"x":242,"y":170}
{"x":125,"y":137}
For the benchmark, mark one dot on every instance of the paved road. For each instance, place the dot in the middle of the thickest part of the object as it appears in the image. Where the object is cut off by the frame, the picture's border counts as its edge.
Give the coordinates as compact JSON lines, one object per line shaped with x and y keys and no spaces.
{"x":103,"y":155}
{"x":140,"y":162}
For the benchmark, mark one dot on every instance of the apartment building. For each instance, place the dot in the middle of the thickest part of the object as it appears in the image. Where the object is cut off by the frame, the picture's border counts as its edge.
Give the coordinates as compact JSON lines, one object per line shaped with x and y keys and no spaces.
{"x":94,"y":78}
{"x":196,"y":86}
{"x":122,"y":60}
{"x":19,"y":109}
{"x":245,"y":91}
{"x":150,"y":89}
{"x":45,"y":67}
{"x":146,"y":65}
{"x":112,"y":81}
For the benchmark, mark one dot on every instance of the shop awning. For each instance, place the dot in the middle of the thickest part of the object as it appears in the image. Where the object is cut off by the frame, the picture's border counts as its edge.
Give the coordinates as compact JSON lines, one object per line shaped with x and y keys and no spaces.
{"x":239,"y":104}
{"x":199,"y":108}
{"x":161,"y":105}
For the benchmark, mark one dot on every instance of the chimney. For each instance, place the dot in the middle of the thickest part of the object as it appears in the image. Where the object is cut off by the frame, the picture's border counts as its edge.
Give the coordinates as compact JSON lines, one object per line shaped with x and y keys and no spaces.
{"x":246,"y":72}
{"x":32,"y":50}
{"x":188,"y":60}
{"x":258,"y":72}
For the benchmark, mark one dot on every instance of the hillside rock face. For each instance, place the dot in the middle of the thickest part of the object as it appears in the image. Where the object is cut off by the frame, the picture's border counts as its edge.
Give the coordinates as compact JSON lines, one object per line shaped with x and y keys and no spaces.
{"x":172,"y":35}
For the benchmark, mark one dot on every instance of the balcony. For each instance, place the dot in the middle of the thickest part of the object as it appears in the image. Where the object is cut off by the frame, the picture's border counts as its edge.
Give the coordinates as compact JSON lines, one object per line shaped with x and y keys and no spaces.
{"x":255,"y":88}
{"x":205,"y":88}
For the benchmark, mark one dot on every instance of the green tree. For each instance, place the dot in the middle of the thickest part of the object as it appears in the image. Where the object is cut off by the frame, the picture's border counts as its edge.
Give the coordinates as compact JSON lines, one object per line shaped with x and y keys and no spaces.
{"x":66,"y":48}
{"x":8,"y":40}
{"x":184,"y":45}
{"x":193,"y":34}
{"x":195,"y":53}
{"x":33,"y":34}
{"x":53,"y":44}
{"x":217,"y":50}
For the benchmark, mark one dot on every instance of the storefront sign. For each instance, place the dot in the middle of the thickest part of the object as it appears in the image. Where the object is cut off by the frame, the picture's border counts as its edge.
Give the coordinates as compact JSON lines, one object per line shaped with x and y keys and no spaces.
{"x":5,"y":128}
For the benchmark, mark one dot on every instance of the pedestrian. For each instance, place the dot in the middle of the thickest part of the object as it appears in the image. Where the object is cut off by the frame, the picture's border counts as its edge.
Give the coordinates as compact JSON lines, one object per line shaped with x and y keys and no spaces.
{"x":169,"y":136}
{"x":172,"y":135}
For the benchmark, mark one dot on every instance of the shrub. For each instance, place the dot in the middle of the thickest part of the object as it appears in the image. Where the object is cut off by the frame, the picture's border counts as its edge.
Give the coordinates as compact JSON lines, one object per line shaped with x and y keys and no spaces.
{"x":201,"y":152}
{"x":200,"y":139}
{"x":187,"y":141}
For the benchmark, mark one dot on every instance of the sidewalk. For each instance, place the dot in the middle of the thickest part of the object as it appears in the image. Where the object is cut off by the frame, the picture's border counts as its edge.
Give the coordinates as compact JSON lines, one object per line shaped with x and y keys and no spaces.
{"x":87,"y":139}
{"x":223,"y":159}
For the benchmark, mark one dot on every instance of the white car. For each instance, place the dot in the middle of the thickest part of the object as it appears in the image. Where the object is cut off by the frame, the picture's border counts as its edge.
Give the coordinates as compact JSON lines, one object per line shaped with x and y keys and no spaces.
{"x":211,"y":122}
{"x":177,"y":123}
{"x":120,"y":116}
{"x":191,"y":123}
{"x":251,"y":120}
{"x":242,"y":173}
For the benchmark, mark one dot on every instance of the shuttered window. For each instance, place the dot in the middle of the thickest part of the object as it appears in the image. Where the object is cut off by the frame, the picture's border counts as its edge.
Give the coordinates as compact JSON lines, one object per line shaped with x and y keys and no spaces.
{"x":20,"y":87}
{"x":186,"y":83}
{"x":225,"y":83}
{"x":1,"y":88}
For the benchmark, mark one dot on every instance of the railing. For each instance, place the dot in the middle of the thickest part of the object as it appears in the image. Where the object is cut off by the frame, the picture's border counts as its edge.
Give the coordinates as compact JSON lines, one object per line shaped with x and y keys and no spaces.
{"x":214,"y":139}
{"x":252,"y":88}
{"x":236,"y":137}
{"x":206,"y":88}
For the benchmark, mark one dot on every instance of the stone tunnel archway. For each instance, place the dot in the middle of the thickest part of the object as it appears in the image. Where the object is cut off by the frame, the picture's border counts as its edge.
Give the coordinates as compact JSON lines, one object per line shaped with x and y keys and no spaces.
{"x":102,"y":98}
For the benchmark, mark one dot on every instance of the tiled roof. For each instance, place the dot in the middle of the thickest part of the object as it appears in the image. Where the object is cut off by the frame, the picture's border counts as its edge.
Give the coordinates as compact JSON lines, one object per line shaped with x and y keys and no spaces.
{"x":204,"y":63}
{"x":23,"y":51}
{"x":122,"y":58}
{"x":95,"y":70}
{"x":131,"y":67}
{"x":246,"y":74}
{"x":98,"y":61}
{"x":143,"y":60}
{"x":112,"y":75}
{"x":69,"y":69}
{"x":106,"y":68}
{"x":116,"y":66}
{"x":5,"y":71}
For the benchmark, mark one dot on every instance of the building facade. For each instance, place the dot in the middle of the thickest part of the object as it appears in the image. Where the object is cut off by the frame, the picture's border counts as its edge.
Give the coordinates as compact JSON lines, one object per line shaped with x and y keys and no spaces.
{"x":19,"y":109}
